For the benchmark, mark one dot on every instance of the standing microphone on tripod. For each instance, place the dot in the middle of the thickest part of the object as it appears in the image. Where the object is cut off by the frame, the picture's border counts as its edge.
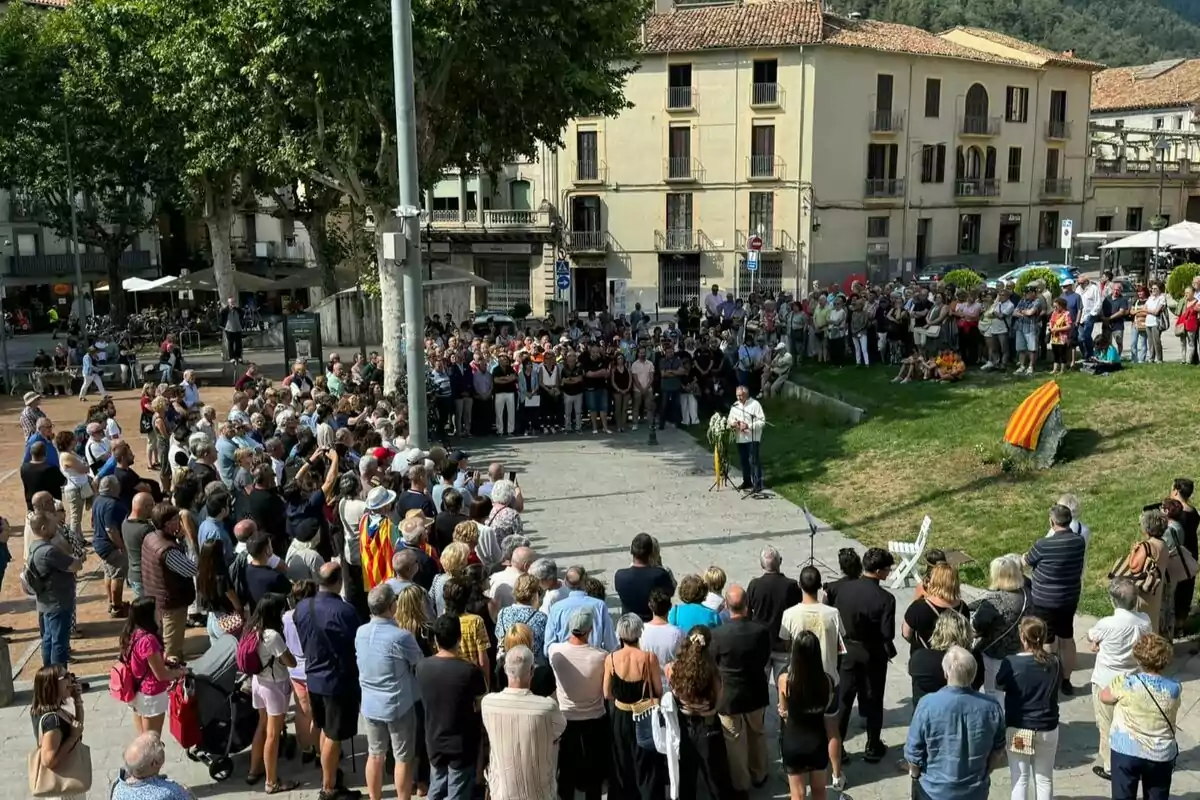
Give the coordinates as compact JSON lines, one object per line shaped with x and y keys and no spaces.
{"x":747,"y":418}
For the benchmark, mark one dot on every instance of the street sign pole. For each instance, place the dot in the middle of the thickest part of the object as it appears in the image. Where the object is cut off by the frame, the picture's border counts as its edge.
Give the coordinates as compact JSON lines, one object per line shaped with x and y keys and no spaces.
{"x":1066,"y":234}
{"x":754,"y":245}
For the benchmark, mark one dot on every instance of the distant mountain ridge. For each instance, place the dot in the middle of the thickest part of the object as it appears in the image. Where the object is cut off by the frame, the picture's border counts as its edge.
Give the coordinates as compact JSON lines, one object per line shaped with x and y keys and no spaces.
{"x":1113,"y":32}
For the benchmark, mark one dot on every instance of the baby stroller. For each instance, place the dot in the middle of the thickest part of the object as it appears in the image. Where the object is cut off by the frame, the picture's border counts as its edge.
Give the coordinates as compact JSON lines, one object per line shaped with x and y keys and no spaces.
{"x":226,"y":714}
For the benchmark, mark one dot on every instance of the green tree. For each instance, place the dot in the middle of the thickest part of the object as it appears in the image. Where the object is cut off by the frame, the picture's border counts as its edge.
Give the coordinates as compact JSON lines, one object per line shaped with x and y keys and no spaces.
{"x":493,"y":78}
{"x":81,"y":78}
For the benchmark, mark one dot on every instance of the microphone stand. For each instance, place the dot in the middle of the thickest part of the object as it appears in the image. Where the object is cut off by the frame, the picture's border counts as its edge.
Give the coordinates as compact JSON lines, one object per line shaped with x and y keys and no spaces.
{"x":812,"y":560}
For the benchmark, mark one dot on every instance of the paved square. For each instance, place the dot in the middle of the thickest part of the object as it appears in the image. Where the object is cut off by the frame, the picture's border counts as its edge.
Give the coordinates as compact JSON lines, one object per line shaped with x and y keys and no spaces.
{"x":587,"y":497}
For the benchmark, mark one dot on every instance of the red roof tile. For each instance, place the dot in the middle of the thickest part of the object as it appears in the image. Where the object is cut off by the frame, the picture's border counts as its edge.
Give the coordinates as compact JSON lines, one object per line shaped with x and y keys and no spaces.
{"x":773,"y":23}
{"x":892,"y":37}
{"x":1148,"y":86}
{"x":1051,"y":58}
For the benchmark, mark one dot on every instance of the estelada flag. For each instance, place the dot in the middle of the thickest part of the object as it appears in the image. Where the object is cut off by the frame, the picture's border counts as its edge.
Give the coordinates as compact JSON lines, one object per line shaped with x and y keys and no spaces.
{"x":1025,"y":424}
{"x":376,"y":547}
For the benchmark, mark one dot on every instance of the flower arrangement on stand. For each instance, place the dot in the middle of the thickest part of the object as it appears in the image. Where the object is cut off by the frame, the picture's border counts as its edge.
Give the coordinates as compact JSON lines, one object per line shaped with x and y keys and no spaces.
{"x":720,"y":436}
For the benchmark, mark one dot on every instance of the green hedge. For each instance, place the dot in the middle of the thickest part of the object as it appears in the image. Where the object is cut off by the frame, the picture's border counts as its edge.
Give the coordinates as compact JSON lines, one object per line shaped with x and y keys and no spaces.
{"x":963,"y":278}
{"x":1042,"y":274}
{"x":1181,"y":278}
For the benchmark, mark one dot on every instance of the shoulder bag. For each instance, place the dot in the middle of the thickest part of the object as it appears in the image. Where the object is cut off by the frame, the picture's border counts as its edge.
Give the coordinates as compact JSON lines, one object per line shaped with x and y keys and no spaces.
{"x":644,"y":712}
{"x":71,"y":776}
{"x":1166,"y":719}
{"x":980,"y":648}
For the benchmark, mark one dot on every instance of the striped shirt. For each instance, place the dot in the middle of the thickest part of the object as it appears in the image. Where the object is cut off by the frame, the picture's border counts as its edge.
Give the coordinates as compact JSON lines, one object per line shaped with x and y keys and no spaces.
{"x":524,"y":730}
{"x":1057,"y":563}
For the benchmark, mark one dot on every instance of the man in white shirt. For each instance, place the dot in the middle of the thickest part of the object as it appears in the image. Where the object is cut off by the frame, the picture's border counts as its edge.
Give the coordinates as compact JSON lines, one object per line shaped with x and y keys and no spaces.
{"x":1112,"y":640}
{"x":642,"y":371}
{"x":747,"y":419}
{"x":825,"y":623}
{"x":501,"y":586}
{"x":778,"y":370}
{"x":713,"y":301}
{"x":524,"y":731}
{"x":1090,"y":302}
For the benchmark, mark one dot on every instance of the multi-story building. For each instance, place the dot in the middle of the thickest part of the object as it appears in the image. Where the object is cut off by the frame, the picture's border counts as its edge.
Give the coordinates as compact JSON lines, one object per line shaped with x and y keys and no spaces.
{"x":1145,"y":146}
{"x":848,"y":146}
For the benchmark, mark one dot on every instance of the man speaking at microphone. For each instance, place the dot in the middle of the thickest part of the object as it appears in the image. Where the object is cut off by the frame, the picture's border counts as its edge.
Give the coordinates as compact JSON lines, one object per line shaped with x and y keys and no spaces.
{"x":747,"y":419}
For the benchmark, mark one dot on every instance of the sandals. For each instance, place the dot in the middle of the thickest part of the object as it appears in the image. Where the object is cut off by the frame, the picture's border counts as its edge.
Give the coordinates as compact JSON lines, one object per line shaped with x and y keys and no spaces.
{"x":252,"y":779}
{"x":280,"y":787}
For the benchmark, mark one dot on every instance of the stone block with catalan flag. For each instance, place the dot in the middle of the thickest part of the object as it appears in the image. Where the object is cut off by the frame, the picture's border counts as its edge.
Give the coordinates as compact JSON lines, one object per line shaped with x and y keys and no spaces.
{"x":1036,"y":427}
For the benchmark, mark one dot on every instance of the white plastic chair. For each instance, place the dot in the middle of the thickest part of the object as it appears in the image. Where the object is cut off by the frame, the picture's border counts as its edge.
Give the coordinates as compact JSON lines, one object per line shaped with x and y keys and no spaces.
{"x":910,"y":554}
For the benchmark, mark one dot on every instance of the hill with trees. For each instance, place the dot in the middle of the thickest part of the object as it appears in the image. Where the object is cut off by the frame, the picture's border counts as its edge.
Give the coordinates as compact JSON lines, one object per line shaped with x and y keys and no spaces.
{"x":1113,"y":32}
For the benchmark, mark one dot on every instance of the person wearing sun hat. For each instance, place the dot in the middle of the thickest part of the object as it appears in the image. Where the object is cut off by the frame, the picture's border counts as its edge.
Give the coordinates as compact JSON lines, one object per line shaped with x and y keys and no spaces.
{"x":31,"y":413}
{"x":776,"y":373}
{"x":375,"y":537}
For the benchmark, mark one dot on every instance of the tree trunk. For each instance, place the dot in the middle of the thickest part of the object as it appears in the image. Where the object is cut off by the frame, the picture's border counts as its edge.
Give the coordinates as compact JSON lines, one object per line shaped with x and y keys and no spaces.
{"x":391,"y":298}
{"x":218,"y":216}
{"x":323,"y":255}
{"x":117,"y":310}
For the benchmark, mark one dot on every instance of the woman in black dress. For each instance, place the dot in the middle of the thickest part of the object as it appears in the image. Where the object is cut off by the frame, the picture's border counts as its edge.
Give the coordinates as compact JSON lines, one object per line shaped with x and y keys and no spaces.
{"x":806,"y":696}
{"x":696,"y":684}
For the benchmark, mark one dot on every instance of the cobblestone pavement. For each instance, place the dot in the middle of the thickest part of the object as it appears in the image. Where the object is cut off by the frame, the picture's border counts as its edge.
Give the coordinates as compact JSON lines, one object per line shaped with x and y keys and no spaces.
{"x":588,"y":496}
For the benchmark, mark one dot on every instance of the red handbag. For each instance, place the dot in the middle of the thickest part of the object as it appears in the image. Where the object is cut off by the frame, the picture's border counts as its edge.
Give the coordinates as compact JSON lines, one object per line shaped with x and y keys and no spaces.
{"x":185,"y":716}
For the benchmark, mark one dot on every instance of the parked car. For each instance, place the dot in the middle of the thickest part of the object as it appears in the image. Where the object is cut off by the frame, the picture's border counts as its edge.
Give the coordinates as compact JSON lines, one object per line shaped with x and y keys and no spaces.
{"x":1062,"y":270}
{"x":932,"y":273}
{"x":483,"y":321}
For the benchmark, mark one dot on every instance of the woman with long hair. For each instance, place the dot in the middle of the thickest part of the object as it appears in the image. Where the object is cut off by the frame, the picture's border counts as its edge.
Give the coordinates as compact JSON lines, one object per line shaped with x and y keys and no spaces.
{"x":925,"y":663}
{"x":621,"y":383}
{"x":941,"y":595}
{"x":455,"y":558}
{"x":215,"y":595}
{"x":696,"y":684}
{"x":1030,"y":681}
{"x":306,"y":729}
{"x":806,"y":697}
{"x":412,"y":614}
{"x":271,"y":691}
{"x":141,"y":647}
{"x":56,"y":730}
{"x":78,"y":488}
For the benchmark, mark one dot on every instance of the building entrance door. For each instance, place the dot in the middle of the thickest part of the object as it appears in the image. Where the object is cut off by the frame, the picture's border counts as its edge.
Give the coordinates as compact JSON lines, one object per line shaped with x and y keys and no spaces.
{"x":591,"y":288}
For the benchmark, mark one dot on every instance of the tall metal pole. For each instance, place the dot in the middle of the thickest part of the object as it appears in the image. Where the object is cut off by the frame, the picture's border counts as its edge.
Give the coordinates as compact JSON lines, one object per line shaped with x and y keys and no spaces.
{"x":1158,"y":226}
{"x":75,"y":233}
{"x":410,"y":212}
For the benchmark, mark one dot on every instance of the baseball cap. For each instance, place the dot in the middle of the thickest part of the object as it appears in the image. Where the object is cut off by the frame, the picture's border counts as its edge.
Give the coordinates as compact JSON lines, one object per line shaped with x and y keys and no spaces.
{"x":460,"y":455}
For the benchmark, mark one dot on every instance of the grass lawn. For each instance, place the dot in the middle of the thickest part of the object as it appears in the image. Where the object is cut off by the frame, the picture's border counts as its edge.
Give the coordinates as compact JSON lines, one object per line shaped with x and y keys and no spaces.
{"x":1129,"y":435}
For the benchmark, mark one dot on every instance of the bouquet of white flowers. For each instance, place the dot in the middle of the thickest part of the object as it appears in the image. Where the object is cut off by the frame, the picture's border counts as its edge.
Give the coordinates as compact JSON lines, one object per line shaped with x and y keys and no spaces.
{"x":720,"y":436}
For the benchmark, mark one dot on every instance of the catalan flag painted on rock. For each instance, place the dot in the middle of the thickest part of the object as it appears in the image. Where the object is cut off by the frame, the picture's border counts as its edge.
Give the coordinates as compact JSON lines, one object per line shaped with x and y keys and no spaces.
{"x":1025,"y":425}
{"x":376,"y":548}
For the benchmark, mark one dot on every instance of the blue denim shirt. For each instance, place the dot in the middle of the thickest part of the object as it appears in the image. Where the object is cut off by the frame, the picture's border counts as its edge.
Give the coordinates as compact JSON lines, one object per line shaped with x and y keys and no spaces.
{"x":953,"y":733}
{"x":387,"y":658}
{"x":558,"y":628}
{"x":225,"y":463}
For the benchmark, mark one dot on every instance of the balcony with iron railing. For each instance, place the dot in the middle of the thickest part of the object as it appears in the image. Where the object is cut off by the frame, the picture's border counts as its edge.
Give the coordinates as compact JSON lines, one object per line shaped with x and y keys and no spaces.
{"x":681,"y":98}
{"x":881,"y":121}
{"x":587,"y":241}
{"x":1058,"y":129}
{"x":773,"y":241}
{"x":765,"y":95}
{"x":976,"y":187}
{"x":681,"y":168}
{"x":978,"y":125}
{"x":764,"y":167}
{"x":63,"y":264}
{"x":1056,"y":187}
{"x":491,"y":218}
{"x":590,"y":170}
{"x":883,"y":187}
{"x":677,"y":240}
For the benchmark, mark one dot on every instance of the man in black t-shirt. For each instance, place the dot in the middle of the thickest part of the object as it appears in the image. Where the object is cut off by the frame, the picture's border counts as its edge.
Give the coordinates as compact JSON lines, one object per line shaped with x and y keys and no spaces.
{"x":261,"y":578}
{"x":635,"y":582}
{"x":1115,"y":313}
{"x":451,"y":690}
{"x":595,"y":386}
{"x":571,"y":379}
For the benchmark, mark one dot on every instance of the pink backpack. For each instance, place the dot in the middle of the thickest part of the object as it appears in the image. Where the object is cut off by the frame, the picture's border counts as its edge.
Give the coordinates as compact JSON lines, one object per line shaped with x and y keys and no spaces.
{"x":122,"y":684}
{"x":248,"y":662}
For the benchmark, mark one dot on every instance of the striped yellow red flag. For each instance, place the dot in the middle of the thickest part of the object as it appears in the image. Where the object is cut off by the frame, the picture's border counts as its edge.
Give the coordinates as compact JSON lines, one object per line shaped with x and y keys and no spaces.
{"x":376,"y":549}
{"x":1025,"y":424}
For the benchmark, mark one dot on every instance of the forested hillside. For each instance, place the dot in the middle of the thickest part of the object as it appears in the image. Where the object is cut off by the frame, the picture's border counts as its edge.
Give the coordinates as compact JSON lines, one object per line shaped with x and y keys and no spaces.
{"x":1113,"y":32}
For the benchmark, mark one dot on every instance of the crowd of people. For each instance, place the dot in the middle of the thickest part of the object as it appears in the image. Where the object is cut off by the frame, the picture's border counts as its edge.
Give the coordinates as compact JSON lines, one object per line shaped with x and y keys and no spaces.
{"x":374,"y":587}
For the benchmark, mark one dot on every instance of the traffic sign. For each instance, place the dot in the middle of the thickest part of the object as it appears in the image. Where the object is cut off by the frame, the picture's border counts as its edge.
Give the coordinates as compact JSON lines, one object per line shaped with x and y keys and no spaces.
{"x":562,"y":267}
{"x":754,"y":243}
{"x":564,"y":281}
{"x":1066,"y":233}
{"x":752,"y":260}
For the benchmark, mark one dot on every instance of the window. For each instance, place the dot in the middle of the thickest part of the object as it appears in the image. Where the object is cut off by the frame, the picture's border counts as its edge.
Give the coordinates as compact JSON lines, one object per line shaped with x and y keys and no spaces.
{"x":586,"y":149}
{"x":762,"y":151}
{"x":881,"y":161}
{"x":1048,"y":230}
{"x":679,"y":212}
{"x":762,"y":215}
{"x":1104,"y":223}
{"x":1133,"y":218}
{"x":1158,"y":123}
{"x":585,"y":213}
{"x":765,"y":90}
{"x":929,"y":162}
{"x":520,"y":196}
{"x":969,"y":226}
{"x":1053,"y":160}
{"x":877,"y":227}
{"x":1014,"y":165}
{"x":933,"y":97}
{"x":27,"y":244}
{"x":989,"y":164}
{"x":1178,"y":123}
{"x":1016,"y":104}
{"x":679,"y":152}
{"x":679,"y":86}
{"x":883,"y":92}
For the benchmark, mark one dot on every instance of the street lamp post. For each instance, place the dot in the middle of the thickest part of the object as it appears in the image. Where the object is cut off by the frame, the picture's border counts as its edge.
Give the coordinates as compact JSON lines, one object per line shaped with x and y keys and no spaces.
{"x":1160,"y":145}
{"x":75,"y":233}
{"x":410,"y":213}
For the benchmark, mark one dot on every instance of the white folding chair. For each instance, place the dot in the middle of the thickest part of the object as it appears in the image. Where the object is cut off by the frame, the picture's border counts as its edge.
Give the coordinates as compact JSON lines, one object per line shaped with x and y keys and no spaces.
{"x":910,"y":554}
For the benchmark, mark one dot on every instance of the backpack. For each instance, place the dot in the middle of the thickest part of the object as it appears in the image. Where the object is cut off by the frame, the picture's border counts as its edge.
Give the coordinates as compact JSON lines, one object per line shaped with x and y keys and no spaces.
{"x":81,"y":439}
{"x":33,"y":584}
{"x":122,"y":684}
{"x":248,"y":662}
